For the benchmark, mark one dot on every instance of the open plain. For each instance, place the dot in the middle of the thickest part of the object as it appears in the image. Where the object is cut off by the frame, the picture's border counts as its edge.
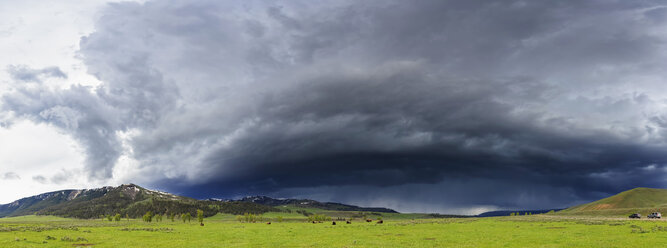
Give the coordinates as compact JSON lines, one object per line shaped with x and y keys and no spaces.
{"x":226,"y":231}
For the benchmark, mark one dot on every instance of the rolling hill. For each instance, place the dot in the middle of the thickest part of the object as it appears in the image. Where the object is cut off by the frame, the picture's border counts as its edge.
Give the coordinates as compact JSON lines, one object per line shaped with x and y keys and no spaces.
{"x":268,"y":201}
{"x":638,"y":200}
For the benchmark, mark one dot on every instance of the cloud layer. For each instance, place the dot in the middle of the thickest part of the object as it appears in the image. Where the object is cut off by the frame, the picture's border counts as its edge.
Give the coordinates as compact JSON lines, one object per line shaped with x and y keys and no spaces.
{"x":543,"y":103}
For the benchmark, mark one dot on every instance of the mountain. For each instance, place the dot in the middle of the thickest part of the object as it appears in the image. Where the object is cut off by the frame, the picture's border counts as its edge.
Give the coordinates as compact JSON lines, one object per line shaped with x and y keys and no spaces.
{"x":30,"y":205}
{"x":126,"y":199}
{"x":521,"y":212}
{"x":638,"y":200}
{"x":268,"y":201}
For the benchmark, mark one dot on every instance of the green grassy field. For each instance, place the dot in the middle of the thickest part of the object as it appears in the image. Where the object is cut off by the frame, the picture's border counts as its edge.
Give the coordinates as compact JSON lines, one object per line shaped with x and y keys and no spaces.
{"x":224,"y":231}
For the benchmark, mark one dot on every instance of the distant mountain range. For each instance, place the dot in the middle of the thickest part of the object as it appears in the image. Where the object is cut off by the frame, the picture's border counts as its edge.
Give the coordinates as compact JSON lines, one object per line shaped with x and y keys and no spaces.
{"x":520,"y":212}
{"x":268,"y":201}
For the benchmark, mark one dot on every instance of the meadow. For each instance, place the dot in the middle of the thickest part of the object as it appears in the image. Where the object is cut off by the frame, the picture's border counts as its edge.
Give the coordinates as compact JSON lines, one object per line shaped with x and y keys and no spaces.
{"x":226,"y":231}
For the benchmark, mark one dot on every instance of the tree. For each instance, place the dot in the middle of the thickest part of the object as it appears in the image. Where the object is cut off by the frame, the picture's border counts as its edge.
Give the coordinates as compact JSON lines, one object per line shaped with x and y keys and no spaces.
{"x":279,"y":219}
{"x":186,"y":216}
{"x":200,"y":216}
{"x":109,"y":217}
{"x":318,"y":218}
{"x":171,"y":216}
{"x":117,"y":217}
{"x":148,"y":217}
{"x":158,"y":218}
{"x":512,"y":214}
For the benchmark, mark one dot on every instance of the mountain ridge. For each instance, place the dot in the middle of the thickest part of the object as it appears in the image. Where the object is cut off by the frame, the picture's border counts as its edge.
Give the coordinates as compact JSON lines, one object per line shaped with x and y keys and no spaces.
{"x":126,"y":199}
{"x":134,"y":201}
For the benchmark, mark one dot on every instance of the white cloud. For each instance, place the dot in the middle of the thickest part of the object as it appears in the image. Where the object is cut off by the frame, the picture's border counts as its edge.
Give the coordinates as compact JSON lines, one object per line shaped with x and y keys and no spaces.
{"x":32,"y":150}
{"x":36,"y":34}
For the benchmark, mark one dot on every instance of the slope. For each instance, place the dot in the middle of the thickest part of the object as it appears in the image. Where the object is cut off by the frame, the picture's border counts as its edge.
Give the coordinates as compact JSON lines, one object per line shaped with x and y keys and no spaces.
{"x":638,"y":200}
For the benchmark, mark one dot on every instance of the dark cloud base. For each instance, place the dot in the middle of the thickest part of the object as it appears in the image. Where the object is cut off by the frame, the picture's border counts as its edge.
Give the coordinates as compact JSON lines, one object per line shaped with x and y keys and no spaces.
{"x":510,"y":104}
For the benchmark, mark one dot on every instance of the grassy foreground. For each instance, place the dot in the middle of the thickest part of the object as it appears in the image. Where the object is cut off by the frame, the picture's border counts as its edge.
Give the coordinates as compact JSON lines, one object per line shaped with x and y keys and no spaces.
{"x":224,"y":231}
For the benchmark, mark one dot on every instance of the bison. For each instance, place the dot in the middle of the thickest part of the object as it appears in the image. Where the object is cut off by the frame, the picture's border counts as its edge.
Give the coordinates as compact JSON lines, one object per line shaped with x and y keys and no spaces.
{"x":201,"y":224}
{"x":333,"y":223}
{"x":380,"y":221}
{"x":369,"y":220}
{"x":348,"y":222}
{"x":268,"y":223}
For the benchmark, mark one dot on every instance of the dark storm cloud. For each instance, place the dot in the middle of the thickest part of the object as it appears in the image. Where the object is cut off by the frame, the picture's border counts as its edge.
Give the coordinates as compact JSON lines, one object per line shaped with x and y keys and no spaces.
{"x":548,"y":103}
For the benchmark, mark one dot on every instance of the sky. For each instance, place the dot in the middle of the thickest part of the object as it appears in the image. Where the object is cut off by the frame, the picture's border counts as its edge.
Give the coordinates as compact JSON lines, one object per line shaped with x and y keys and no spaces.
{"x":438,"y":106}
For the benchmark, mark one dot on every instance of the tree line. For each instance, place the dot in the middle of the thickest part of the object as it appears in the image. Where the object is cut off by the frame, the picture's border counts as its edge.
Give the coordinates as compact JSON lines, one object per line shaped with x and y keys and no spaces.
{"x":126,"y":207}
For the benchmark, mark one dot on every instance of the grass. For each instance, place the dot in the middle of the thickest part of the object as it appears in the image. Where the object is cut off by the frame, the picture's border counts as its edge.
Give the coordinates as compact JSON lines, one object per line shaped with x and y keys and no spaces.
{"x":224,"y":231}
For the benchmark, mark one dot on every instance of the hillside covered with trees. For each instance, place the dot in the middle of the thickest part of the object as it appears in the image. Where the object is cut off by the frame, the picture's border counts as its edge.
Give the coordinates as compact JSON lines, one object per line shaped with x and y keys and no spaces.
{"x":128,"y":200}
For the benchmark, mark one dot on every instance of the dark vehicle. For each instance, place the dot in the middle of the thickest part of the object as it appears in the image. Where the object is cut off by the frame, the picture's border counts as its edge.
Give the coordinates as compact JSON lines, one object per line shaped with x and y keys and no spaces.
{"x":635,"y":216}
{"x":655,"y":215}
